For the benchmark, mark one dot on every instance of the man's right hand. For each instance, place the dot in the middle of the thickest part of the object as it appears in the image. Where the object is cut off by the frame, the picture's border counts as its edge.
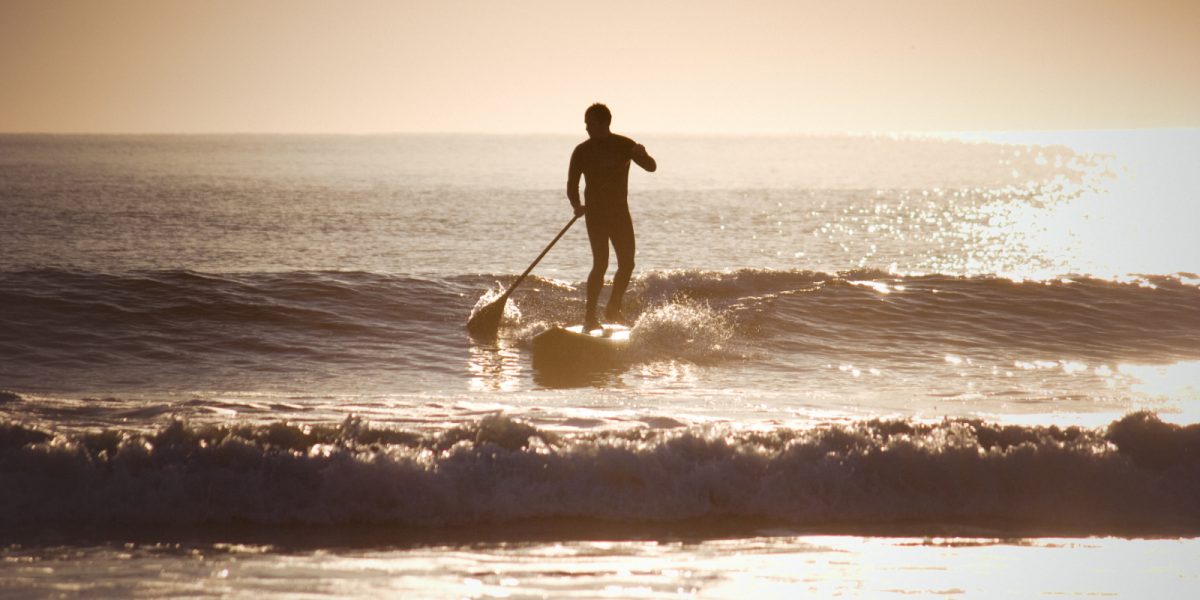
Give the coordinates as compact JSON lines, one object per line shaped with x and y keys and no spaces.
{"x":580,"y":210}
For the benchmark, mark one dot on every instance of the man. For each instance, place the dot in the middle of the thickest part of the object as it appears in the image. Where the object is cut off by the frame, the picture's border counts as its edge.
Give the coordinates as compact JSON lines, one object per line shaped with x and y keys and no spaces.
{"x":603,"y":160}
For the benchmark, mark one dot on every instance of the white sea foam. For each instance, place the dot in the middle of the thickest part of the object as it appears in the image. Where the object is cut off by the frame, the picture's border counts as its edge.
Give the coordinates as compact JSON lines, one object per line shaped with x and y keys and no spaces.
{"x":1137,"y":475}
{"x":682,"y":330}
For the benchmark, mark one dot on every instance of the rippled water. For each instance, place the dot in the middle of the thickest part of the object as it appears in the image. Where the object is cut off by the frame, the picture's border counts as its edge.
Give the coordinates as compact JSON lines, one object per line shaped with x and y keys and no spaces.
{"x":216,"y":340}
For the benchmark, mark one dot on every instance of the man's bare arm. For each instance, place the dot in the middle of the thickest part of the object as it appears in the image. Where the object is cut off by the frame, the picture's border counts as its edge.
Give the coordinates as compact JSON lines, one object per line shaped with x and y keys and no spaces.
{"x":573,"y":174}
{"x":643,"y":158}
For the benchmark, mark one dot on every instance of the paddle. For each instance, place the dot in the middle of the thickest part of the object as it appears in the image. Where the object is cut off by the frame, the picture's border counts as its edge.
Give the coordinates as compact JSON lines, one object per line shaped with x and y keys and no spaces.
{"x":486,"y":321}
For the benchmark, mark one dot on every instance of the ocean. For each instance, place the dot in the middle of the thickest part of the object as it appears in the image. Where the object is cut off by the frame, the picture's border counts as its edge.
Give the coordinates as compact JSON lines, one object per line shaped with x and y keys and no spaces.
{"x":868,"y":365}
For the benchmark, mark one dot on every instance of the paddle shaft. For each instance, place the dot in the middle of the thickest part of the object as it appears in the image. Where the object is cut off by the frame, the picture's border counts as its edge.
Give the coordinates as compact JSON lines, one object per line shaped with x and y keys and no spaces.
{"x":539,"y":258}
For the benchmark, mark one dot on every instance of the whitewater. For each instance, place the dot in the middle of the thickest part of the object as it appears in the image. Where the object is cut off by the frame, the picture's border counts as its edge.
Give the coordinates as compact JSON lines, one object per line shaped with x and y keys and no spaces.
{"x":928,"y":352}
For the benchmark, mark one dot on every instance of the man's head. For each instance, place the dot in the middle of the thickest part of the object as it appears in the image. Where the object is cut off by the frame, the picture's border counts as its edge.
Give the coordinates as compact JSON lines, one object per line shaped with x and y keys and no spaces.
{"x":597,"y":118}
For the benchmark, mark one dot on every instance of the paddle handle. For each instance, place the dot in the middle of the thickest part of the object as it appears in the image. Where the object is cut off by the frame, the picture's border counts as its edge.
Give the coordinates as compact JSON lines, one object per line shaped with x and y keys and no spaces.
{"x":539,"y":258}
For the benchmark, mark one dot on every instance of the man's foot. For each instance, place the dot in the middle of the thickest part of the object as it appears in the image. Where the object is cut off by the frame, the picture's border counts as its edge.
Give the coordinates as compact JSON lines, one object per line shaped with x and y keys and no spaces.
{"x":590,"y":324}
{"x":614,"y":316}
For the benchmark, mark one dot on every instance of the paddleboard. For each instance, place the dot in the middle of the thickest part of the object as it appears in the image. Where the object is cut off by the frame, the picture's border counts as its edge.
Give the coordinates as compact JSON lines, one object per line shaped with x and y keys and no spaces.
{"x":574,"y":346}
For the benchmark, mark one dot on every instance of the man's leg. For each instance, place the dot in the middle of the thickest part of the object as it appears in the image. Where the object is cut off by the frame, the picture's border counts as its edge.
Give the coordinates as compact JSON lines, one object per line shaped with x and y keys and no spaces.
{"x":623,"y":243}
{"x":598,"y":237}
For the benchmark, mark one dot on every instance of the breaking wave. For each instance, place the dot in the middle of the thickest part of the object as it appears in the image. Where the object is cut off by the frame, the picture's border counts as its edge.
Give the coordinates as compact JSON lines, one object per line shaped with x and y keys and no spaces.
{"x":1139,"y":475}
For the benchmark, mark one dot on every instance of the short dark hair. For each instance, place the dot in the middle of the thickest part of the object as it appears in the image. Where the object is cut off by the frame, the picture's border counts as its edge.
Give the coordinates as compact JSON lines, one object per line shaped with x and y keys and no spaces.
{"x":599,"y":113}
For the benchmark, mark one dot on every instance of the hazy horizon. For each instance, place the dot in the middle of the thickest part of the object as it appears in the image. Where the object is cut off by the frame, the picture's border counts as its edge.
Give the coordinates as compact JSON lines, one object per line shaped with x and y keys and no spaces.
{"x":1020,"y":136}
{"x":770,"y":68}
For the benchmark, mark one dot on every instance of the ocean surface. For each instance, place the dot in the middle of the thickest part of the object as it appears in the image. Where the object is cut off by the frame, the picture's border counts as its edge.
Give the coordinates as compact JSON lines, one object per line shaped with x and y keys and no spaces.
{"x":962,"y":365}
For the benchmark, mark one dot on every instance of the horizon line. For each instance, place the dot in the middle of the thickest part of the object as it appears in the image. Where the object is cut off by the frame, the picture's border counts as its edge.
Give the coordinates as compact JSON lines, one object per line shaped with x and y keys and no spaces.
{"x":859,"y":133}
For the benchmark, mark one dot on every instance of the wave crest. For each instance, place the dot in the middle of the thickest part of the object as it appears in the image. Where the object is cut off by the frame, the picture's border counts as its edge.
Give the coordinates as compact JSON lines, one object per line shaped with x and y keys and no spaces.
{"x":1139,"y":475}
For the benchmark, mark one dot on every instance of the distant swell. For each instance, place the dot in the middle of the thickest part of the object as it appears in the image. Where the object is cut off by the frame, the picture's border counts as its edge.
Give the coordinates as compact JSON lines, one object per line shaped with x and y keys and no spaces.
{"x":1137,"y":476}
{"x":111,"y":329}
{"x":849,"y":313}
{"x":133,"y":327}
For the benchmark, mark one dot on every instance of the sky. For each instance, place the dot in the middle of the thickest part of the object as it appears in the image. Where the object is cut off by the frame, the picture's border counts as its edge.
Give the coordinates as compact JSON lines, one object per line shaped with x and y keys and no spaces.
{"x":533,"y":66}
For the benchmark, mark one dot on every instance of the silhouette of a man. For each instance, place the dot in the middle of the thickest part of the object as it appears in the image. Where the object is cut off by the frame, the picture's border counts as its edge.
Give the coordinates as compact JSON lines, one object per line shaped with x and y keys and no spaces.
{"x":603,"y":160}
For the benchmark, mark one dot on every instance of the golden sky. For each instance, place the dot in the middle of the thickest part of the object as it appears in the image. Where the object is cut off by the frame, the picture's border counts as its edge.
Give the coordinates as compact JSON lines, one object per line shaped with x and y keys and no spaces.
{"x":695,"y":66}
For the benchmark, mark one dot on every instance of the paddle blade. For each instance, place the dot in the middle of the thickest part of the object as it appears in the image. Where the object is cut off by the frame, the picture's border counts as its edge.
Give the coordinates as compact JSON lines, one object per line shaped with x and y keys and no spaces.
{"x":485,"y":322}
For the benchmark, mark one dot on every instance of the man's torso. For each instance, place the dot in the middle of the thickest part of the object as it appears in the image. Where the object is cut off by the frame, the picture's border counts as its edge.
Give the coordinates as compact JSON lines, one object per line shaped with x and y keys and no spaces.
{"x":604,"y":163}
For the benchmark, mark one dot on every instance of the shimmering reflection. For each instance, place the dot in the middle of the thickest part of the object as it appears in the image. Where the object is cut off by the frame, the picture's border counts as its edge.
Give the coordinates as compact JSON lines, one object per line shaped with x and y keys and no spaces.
{"x":1133,"y":211}
{"x":1174,"y":389}
{"x":768,"y":566}
{"x":1110,"y":206}
{"x":666,"y":374}
{"x":605,"y":374}
{"x":494,"y":367}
